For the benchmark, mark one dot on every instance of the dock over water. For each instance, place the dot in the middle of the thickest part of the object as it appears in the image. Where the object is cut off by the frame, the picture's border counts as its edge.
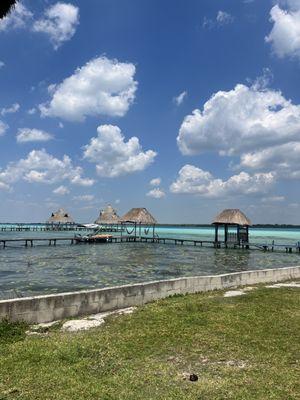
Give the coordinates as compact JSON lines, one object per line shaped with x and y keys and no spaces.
{"x":53,"y":241}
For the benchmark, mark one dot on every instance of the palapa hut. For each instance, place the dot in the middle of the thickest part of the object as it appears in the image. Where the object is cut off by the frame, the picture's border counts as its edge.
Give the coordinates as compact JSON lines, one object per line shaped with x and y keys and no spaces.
{"x":236,"y":219}
{"x":108,"y":216}
{"x":138,"y":217}
{"x":61,"y":216}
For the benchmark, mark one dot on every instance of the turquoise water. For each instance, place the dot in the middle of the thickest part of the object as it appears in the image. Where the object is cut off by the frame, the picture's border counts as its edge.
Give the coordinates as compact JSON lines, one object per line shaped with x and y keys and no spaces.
{"x":43,"y":269}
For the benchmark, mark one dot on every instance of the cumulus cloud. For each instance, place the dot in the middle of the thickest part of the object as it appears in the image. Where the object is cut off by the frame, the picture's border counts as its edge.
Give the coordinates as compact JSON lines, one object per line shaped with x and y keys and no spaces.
{"x":3,"y":128}
{"x":254,"y":123}
{"x":155,"y":182}
{"x":114,"y":156}
{"x":101,"y":87}
{"x":16,"y":19}
{"x":2,"y":64}
{"x":194,"y":180}
{"x":285,"y":34}
{"x":178,"y":100}
{"x":59,"y":23}
{"x":239,"y":120}
{"x":284,"y":159}
{"x":10,"y":110}
{"x":61,"y":190}
{"x":41,"y":167}
{"x":25,"y":135}
{"x":156,"y":193}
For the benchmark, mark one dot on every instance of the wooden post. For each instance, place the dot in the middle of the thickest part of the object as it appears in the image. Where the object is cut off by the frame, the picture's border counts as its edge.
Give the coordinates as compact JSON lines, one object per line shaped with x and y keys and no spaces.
{"x":225,"y":234}
{"x":216,"y":233}
{"x":247,"y":237}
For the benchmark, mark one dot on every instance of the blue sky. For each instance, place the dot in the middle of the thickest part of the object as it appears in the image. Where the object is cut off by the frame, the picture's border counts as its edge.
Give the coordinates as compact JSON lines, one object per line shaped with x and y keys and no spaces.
{"x":183,"y":107}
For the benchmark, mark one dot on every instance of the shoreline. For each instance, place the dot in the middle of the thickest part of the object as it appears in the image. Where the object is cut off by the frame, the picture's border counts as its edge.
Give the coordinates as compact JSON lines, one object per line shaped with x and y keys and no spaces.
{"x":48,"y":308}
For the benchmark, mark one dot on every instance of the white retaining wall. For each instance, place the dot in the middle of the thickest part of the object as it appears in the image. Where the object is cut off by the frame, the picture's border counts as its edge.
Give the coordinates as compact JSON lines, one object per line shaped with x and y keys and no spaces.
{"x":49,"y":308}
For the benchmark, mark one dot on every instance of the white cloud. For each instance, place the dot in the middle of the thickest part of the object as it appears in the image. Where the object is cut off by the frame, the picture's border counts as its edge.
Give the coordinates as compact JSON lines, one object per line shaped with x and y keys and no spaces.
{"x":178,"y":100}
{"x":194,"y":180}
{"x":101,"y":87}
{"x":32,"y":135}
{"x":10,"y":110}
{"x":156,"y":193}
{"x":3,"y":128}
{"x":155,"y":182}
{"x":2,"y":64}
{"x":31,"y":111}
{"x":239,"y":120}
{"x":284,"y":159}
{"x":41,"y":167}
{"x":285,"y":34}
{"x":16,"y":19}
{"x":115,"y":157}
{"x":59,"y":22}
{"x":4,"y":186}
{"x":273,"y":199}
{"x":222,"y":18}
{"x":61,"y":190}
{"x":84,"y":198}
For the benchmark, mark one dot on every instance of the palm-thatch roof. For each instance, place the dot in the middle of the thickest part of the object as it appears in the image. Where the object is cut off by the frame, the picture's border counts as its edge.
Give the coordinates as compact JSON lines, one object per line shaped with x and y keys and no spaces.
{"x":232,"y":217}
{"x":61,"y":216}
{"x":108,"y":216}
{"x":139,"y":215}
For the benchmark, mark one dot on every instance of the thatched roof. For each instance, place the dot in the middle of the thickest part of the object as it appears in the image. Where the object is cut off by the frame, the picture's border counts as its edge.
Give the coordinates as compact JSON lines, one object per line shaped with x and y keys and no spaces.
{"x":108,"y":216}
{"x":61,"y":216}
{"x":232,"y":217}
{"x":139,"y":215}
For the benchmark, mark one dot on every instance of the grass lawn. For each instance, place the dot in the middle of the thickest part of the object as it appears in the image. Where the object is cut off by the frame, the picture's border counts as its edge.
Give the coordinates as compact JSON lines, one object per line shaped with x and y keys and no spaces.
{"x":244,"y":347}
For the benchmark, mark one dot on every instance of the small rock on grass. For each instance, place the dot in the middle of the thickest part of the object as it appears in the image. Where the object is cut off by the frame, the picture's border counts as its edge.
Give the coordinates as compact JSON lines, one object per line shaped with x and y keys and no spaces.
{"x":76,"y":325}
{"x":233,"y":293}
{"x":193,"y":378}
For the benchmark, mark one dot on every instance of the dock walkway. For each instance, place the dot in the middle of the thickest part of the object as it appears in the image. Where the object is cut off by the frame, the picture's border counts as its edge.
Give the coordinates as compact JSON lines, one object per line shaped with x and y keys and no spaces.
{"x":50,"y":241}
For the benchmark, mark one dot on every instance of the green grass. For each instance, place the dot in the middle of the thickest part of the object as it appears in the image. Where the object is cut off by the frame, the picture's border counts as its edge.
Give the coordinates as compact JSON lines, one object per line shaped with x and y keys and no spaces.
{"x":245,"y":347}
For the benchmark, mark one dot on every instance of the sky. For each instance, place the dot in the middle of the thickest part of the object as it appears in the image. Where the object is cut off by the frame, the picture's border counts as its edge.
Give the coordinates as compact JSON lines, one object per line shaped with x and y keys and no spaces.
{"x":182,"y":107}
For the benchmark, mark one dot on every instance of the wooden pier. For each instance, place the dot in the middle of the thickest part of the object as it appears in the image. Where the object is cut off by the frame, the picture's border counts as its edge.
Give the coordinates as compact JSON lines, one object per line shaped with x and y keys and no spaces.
{"x":30,"y":242}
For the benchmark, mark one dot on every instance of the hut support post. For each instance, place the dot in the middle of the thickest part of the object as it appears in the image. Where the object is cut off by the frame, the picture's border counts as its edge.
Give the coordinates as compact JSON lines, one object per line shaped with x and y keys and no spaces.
{"x":247,"y":236}
{"x":216,"y":234}
{"x":226,"y":234}
{"x":238,"y":234}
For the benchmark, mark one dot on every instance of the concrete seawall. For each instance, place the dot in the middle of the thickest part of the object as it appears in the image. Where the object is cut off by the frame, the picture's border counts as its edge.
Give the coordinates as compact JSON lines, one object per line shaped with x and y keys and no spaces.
{"x":49,"y":308}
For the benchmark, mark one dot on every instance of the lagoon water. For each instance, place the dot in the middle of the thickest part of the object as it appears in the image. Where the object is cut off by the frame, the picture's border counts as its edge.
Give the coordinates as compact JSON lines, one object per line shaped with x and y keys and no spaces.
{"x":43,"y":269}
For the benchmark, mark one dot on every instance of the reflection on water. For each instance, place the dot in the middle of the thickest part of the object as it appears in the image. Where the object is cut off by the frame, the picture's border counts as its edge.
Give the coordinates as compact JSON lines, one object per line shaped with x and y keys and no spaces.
{"x":44,"y":269}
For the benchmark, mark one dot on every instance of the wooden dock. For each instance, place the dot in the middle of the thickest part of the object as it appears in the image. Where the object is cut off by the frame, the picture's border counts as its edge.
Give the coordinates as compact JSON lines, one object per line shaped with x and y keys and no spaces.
{"x":30,"y":242}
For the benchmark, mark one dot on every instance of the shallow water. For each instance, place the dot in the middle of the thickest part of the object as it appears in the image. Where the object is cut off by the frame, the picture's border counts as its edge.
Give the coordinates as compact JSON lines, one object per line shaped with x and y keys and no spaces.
{"x":44,"y":269}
